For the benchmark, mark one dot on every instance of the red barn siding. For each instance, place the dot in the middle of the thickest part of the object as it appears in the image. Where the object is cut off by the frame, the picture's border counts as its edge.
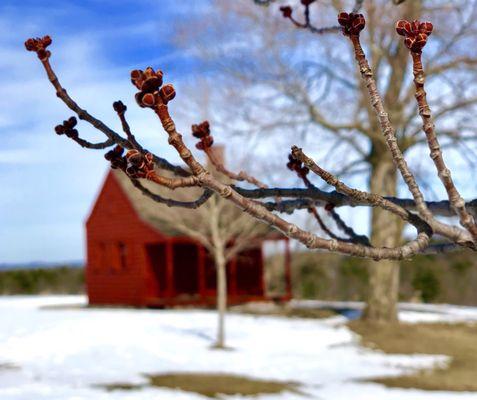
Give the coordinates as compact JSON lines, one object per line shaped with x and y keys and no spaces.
{"x":131,"y":263}
{"x":114,"y":222}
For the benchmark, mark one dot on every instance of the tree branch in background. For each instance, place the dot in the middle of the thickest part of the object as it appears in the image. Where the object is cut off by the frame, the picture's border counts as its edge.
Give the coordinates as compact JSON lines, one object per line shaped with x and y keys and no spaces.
{"x":302,"y":171}
{"x":204,"y":197}
{"x":363,"y":239}
{"x":359,"y":195}
{"x":287,"y":12}
{"x":202,"y":132}
{"x":303,"y":198}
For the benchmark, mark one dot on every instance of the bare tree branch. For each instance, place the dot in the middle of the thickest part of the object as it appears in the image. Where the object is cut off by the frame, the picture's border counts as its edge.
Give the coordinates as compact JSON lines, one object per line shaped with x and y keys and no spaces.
{"x":140,"y":164}
{"x":171,"y":202}
{"x":84,"y":115}
{"x":363,"y":239}
{"x":288,"y":13}
{"x":413,"y":35}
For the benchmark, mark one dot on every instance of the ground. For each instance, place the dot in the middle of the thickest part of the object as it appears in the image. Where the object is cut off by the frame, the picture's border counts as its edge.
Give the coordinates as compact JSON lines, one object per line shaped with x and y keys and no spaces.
{"x":73,"y":353}
{"x":455,"y":340}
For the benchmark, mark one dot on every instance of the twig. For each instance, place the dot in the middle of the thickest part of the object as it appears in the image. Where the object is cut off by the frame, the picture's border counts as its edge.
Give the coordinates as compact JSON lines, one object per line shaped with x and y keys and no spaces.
{"x":202,"y":132}
{"x":325,"y":228}
{"x":363,"y":239}
{"x":359,"y":195}
{"x":352,"y":25}
{"x":68,"y":128}
{"x":172,"y":183}
{"x":306,"y":197}
{"x":120,"y":109}
{"x":441,"y":248}
{"x":96,"y":123}
{"x":287,"y":12}
{"x":453,"y":233}
{"x":416,"y":34}
{"x":242,"y":176}
{"x":302,"y":172}
{"x":138,"y":165}
{"x":94,"y":146}
{"x":171,"y":202}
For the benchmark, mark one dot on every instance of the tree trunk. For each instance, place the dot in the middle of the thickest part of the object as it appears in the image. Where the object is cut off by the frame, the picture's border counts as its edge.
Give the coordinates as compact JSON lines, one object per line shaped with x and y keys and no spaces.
{"x":221,"y":299}
{"x":386,"y":231}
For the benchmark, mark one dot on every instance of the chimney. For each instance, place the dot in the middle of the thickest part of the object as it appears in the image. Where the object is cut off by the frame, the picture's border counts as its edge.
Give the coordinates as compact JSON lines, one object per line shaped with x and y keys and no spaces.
{"x":218,"y":152}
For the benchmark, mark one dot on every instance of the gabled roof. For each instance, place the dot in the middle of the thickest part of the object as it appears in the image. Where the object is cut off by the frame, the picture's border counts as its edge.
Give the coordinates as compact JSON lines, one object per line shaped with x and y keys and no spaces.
{"x":147,"y":209}
{"x":150,"y":211}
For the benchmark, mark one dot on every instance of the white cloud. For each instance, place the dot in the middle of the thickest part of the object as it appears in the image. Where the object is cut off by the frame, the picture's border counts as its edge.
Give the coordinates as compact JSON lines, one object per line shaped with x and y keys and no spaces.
{"x":48,"y":182}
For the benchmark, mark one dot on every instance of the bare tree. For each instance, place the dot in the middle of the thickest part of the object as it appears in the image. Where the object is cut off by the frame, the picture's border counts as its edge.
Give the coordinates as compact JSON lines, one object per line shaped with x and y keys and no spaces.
{"x":221,"y":228}
{"x":296,"y":80}
{"x":264,"y":203}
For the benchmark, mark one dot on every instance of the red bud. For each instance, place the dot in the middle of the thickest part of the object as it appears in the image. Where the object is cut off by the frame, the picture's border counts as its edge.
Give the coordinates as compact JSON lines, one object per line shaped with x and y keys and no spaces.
{"x":59,"y":129}
{"x":148,"y":99}
{"x":167,"y":93}
{"x":200,"y":145}
{"x":119,"y":107}
{"x":286,"y":11}
{"x":415,"y":34}
{"x":352,"y":24}
{"x":426,"y":27}
{"x":343,"y":18}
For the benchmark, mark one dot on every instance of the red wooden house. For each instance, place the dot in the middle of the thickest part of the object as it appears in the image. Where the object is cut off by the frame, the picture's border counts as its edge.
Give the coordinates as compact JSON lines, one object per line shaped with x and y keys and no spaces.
{"x":133,"y":259}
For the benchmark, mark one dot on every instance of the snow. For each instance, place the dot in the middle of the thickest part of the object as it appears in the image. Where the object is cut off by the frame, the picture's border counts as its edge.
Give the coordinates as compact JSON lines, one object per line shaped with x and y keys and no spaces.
{"x":409,"y":312}
{"x":63,"y":352}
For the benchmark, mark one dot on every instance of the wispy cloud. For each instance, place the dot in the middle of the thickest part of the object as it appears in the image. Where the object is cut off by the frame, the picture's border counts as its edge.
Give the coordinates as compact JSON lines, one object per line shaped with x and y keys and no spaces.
{"x":48,"y":182}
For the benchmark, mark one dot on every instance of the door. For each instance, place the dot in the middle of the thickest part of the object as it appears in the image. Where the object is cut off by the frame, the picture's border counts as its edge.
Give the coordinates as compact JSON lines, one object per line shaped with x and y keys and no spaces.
{"x":157,"y":260}
{"x":186,"y":268}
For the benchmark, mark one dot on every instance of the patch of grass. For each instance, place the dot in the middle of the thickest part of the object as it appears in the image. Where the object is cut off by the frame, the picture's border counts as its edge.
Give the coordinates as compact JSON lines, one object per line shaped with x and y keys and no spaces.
{"x":311,"y":313}
{"x":111,"y":387}
{"x":457,"y":341}
{"x":214,"y":385}
{"x":284,"y":311}
{"x":210,"y":385}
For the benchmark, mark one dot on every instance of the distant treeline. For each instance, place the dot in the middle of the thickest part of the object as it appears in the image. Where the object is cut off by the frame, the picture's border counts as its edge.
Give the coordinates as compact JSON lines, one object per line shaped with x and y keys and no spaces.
{"x":58,"y":280}
{"x":449,"y":278}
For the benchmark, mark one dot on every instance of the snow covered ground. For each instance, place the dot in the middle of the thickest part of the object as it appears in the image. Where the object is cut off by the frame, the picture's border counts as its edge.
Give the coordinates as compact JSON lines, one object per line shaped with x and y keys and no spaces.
{"x":62,"y":353}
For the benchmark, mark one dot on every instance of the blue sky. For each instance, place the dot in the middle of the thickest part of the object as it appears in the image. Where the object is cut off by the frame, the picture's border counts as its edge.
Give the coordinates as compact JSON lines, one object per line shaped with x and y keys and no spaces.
{"x":48,"y":183}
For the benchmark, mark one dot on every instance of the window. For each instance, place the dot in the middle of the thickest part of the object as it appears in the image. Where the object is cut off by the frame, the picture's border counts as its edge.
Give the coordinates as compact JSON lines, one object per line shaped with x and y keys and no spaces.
{"x":103,"y":256}
{"x":123,"y":255}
